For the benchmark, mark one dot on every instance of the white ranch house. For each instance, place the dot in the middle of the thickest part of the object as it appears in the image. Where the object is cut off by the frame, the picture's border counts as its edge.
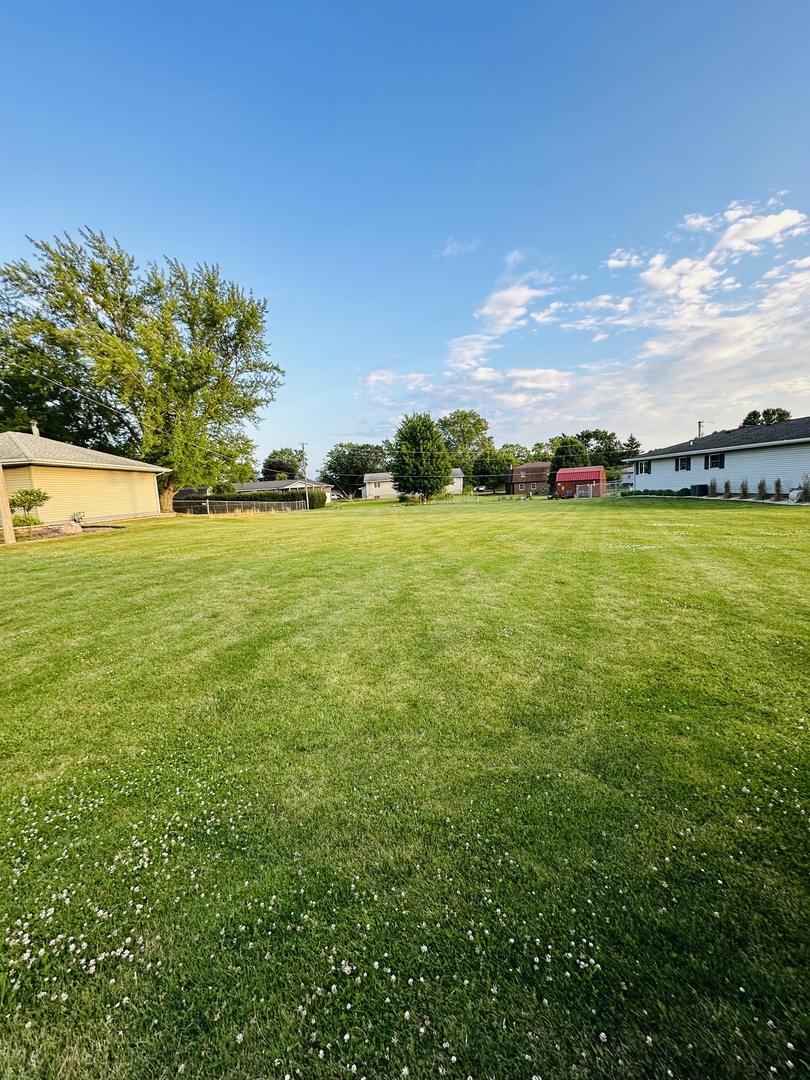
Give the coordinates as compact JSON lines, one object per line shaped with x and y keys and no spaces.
{"x":768,"y":452}
{"x":380,"y":485}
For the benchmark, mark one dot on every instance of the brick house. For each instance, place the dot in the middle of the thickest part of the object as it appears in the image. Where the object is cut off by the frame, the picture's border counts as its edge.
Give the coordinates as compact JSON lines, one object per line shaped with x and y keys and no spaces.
{"x":529,"y":478}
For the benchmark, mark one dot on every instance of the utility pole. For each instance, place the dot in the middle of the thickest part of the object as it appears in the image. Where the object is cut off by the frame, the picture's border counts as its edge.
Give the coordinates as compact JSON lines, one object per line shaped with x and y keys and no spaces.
{"x":306,"y":489}
{"x":6,"y":519}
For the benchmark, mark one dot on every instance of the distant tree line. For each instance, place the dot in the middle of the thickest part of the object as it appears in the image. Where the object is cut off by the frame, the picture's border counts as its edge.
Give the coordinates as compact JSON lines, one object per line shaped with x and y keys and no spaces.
{"x":423,"y":453}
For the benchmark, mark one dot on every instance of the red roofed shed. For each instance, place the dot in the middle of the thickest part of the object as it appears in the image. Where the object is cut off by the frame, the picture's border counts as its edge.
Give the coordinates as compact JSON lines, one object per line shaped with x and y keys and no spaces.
{"x":581,"y":483}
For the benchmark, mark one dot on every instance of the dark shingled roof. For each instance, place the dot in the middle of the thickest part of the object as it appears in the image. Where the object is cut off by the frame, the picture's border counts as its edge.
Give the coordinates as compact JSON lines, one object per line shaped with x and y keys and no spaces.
{"x":787,"y":431}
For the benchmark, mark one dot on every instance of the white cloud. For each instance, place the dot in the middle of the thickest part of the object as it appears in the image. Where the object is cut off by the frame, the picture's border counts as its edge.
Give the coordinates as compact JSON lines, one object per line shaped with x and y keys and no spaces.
{"x":699,"y":223}
{"x":385,"y":377}
{"x":454,"y":248}
{"x":621,"y":259}
{"x":688,"y":278}
{"x":549,"y":314}
{"x":750,"y":233}
{"x":506,"y":309}
{"x":470,"y":350}
{"x":485,"y":374}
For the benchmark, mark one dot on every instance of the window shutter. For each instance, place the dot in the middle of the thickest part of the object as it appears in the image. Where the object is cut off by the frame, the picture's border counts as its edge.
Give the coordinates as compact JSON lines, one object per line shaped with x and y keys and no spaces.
{"x":705,"y":461}
{"x":677,"y":464}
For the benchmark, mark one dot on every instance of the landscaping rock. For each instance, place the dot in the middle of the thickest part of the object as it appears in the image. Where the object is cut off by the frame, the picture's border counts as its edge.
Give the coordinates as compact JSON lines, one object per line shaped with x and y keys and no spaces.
{"x":70,"y":528}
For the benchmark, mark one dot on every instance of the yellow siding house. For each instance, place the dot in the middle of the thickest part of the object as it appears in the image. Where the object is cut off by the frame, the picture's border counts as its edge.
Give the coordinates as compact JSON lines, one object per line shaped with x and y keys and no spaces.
{"x":82,"y":484}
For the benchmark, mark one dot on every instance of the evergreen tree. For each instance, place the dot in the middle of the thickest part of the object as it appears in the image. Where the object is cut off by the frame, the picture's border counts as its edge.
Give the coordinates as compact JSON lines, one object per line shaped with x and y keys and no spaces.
{"x":420,"y":461}
{"x":632,"y":447}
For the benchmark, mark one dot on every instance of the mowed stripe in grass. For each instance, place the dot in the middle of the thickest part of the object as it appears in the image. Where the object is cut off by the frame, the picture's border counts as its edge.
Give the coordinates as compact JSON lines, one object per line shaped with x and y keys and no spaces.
{"x":490,"y":789}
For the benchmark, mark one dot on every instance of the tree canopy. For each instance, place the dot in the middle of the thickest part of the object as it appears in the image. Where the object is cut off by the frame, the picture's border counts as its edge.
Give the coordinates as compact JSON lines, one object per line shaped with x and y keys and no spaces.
{"x":603,"y":447}
{"x":767,"y":416}
{"x":520,"y":453}
{"x":284,"y":464}
{"x":570,"y":453}
{"x":420,"y":463}
{"x":465,"y":435}
{"x":347,"y":463}
{"x":174,"y":359}
{"x":491,"y":466}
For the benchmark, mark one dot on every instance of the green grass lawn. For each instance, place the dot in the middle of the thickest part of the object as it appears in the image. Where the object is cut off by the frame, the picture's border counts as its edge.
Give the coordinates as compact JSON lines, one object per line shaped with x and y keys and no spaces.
{"x":493,"y":789}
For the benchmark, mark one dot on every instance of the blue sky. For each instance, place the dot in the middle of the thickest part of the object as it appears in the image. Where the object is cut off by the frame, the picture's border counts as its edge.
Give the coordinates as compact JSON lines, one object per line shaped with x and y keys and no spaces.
{"x":562,"y":215}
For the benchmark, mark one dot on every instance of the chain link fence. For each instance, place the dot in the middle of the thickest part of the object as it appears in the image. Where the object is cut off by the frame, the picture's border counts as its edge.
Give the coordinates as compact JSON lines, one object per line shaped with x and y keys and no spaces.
{"x":236,"y":508}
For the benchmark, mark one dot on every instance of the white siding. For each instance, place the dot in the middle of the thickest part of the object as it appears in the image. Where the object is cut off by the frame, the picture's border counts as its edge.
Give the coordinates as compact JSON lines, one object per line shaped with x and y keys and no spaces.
{"x":790,"y":464}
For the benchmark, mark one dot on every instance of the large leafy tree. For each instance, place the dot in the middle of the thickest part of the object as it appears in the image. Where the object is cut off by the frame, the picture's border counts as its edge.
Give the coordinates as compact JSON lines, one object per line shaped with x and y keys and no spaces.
{"x":604,"y":447}
{"x":465,"y":436}
{"x":570,"y":453}
{"x":347,"y":463}
{"x":284,"y":464}
{"x":420,"y":462}
{"x":491,"y":466}
{"x":774,"y":416}
{"x":68,"y":413}
{"x":520,"y":453}
{"x":768,"y":416}
{"x":178,"y":356}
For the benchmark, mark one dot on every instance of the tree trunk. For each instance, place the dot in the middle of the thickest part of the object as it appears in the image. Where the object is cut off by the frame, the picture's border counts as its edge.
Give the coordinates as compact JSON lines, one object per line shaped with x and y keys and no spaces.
{"x":167,"y":498}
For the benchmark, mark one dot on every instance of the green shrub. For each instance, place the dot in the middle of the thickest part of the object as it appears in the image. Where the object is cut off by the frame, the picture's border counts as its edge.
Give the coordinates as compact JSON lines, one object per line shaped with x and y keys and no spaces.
{"x":804,"y":487}
{"x":28,"y":499}
{"x":684,"y":491}
{"x":762,"y":490}
{"x":712,"y":488}
{"x":21,"y":521}
{"x":727,"y":489}
{"x":777,"y":489}
{"x":743,"y":489}
{"x":409,"y":500}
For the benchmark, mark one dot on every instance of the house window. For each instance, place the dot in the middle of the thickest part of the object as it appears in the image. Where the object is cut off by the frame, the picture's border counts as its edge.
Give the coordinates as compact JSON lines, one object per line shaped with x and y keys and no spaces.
{"x":683,"y":464}
{"x":376,"y":484}
{"x":714,"y":461}
{"x":643,"y":467}
{"x":523,"y":476}
{"x":534,"y":487}
{"x":521,"y":487}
